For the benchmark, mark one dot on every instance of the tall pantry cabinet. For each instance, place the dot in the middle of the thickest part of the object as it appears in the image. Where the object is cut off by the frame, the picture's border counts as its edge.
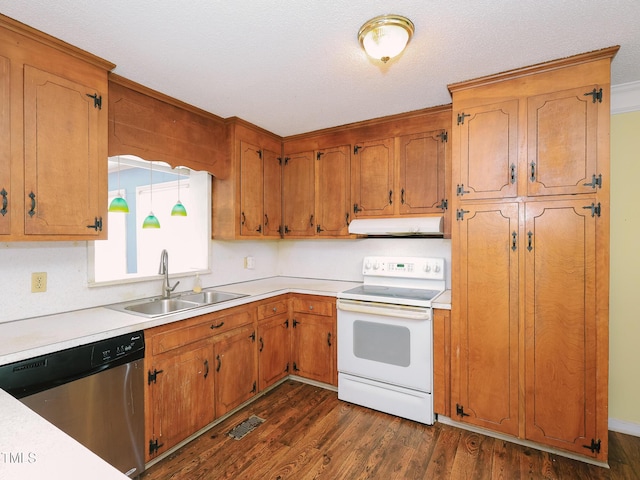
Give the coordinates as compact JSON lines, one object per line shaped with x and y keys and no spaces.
{"x":530,"y":252}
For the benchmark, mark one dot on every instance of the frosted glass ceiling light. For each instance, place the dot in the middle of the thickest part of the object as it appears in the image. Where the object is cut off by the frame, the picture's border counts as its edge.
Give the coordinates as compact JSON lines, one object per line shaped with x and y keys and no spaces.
{"x":151,"y":221}
{"x":119,"y":204}
{"x":385,"y":36}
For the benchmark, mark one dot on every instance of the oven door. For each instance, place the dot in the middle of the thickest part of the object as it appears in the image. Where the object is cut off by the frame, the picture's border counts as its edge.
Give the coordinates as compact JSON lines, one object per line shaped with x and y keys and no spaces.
{"x":386,"y":343}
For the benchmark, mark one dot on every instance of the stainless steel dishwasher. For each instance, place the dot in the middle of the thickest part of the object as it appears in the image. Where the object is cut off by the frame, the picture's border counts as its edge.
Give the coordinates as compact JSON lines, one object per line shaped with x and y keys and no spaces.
{"x":92,"y":392}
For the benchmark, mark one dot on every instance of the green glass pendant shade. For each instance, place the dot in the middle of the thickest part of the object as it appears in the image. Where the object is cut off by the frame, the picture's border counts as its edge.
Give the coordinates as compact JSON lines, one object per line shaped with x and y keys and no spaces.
{"x":151,"y":221}
{"x":178,"y":210}
{"x":119,"y":204}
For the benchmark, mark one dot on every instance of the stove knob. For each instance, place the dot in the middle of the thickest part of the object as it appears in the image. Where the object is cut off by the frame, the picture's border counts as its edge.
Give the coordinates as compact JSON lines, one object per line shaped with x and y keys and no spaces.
{"x":437,"y":268}
{"x":367,"y":265}
{"x":427,"y":268}
{"x":376,"y":266}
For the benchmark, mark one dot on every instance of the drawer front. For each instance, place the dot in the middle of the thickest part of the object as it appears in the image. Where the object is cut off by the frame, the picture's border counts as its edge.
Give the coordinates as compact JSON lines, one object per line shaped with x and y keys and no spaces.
{"x":207,"y":326}
{"x":313,"y":306}
{"x":272,"y":308}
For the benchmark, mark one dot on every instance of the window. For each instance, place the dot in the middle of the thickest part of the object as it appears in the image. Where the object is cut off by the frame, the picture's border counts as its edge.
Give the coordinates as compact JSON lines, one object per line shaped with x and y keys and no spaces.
{"x":132,"y":253}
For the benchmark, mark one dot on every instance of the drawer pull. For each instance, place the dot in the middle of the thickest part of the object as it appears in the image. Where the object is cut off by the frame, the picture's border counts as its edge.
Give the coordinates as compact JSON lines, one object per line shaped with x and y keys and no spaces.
{"x":213,"y":327}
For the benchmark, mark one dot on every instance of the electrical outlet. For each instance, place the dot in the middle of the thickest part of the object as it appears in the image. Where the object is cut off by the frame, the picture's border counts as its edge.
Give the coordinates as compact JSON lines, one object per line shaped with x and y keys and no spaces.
{"x":249,"y":263}
{"x":38,"y":282}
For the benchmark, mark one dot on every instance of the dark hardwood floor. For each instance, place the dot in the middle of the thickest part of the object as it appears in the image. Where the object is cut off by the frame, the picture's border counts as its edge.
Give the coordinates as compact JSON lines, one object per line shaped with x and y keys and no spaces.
{"x":308,"y":433}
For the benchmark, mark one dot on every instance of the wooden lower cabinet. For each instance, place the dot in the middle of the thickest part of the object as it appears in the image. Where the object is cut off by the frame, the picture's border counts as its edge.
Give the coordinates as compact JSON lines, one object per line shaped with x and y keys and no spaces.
{"x":236,"y":368}
{"x":313,"y":342}
{"x":273,"y":342}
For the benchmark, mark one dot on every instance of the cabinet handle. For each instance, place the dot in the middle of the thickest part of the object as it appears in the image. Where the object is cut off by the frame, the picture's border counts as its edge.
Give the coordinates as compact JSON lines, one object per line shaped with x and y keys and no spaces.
{"x":244,"y":219}
{"x":390,"y":197}
{"x":346,"y":218}
{"x":217,"y":326}
{"x":532,"y":176}
{"x":4,"y":202}
{"x":512,"y":173}
{"x":259,"y":229}
{"x":206,"y":368}
{"x":329,"y":338}
{"x":261,"y":344}
{"x":402,"y":196}
{"x":514,"y":241}
{"x":530,"y":241}
{"x":32,"y":211}
{"x":311,"y":220}
{"x":266,"y":220}
{"x":219,"y":363}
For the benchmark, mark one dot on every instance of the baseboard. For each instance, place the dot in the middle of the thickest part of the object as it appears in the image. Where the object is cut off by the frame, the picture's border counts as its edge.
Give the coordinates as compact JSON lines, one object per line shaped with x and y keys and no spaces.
{"x":622,"y":426}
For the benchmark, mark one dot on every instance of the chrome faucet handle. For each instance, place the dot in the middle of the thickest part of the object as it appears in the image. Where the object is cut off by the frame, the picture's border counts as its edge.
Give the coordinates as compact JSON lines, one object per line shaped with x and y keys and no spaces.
{"x":170,"y":288}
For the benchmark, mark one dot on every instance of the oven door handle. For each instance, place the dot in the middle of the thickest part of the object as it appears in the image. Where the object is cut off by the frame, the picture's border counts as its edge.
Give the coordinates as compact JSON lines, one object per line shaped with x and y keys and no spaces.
{"x":384,"y":309}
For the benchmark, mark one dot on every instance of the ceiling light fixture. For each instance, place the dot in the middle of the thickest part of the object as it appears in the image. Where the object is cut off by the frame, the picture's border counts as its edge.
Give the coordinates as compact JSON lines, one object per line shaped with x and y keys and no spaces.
{"x":385,"y":36}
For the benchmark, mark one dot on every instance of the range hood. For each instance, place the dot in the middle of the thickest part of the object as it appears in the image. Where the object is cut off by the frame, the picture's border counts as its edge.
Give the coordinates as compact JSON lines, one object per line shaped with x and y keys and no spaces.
{"x":398,"y":227}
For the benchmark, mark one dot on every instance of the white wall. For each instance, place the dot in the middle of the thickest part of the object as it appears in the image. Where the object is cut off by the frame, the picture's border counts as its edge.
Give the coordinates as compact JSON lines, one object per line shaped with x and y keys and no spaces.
{"x":66,"y":266}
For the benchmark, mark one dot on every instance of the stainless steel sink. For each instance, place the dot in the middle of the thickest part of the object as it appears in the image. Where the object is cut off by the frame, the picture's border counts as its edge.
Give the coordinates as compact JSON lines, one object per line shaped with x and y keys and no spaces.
{"x":161,"y":306}
{"x":154,"y":307}
{"x":208,"y":297}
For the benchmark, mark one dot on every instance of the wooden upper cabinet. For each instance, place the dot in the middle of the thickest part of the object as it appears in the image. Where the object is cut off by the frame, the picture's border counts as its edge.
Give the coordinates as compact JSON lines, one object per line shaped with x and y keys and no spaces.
{"x":61,"y":157}
{"x":53,"y":135}
{"x":299,"y":194}
{"x":372,"y":178}
{"x":154,"y":126}
{"x":562,"y":141}
{"x":248,"y":204}
{"x":260,"y":191}
{"x":422,"y":172}
{"x":564,"y":360}
{"x":5,"y":145}
{"x":333,"y":212}
{"x":485,"y":159}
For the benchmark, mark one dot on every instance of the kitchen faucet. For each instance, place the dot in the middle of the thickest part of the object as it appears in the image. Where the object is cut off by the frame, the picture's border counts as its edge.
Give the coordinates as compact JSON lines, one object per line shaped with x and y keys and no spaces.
{"x":164,"y":270}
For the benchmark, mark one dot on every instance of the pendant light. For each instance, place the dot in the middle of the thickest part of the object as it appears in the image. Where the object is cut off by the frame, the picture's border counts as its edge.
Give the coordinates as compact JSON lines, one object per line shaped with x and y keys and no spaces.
{"x":119,"y":204}
{"x":178,"y":209}
{"x":151,"y":221}
{"x":386,"y":36}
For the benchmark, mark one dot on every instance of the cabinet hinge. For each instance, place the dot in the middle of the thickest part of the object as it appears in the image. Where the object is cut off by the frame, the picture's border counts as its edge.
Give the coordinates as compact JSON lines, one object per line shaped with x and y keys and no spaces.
{"x":444,"y":204}
{"x":318,"y":155}
{"x":460,"y":411}
{"x":460,"y":214}
{"x":151,"y":377}
{"x":319,"y":229}
{"x":295,"y":323}
{"x":286,"y":369}
{"x":97,"y":100}
{"x":356,"y":148}
{"x":594,"y":447}
{"x":444,"y":137}
{"x":97,"y":224}
{"x":595,"y":182}
{"x":461,"y":117}
{"x":460,"y":190}
{"x":255,"y":387}
{"x":154,"y":446}
{"x":279,"y":160}
{"x":595,"y":209}
{"x":295,"y":367}
{"x":253,"y":337}
{"x":286,"y":160}
{"x":595,"y":94}
{"x":356,"y":208}
{"x":259,"y":154}
{"x":286,"y":323}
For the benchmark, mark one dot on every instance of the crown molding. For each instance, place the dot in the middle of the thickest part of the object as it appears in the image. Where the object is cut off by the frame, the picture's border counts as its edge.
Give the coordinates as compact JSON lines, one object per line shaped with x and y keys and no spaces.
{"x":625,"y":97}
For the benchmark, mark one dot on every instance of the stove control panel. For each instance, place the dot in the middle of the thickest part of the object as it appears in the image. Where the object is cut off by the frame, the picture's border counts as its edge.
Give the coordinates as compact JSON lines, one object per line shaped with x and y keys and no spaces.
{"x":404,"y":267}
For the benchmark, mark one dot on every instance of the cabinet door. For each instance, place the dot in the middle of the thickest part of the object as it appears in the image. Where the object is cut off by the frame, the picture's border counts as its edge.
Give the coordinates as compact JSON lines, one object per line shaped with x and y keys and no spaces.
{"x":5,"y":146}
{"x":236,"y":369}
{"x":562,"y":137}
{"x":313,"y":347}
{"x":486,"y":320}
{"x":272,"y":185}
{"x":251,"y":190}
{"x":273,"y":350}
{"x":299,"y":194}
{"x":62,"y":156}
{"x":372,"y":178}
{"x":561,"y":344}
{"x":182,"y":395}
{"x":422,"y":172}
{"x":485,"y":159}
{"x":333,"y":191}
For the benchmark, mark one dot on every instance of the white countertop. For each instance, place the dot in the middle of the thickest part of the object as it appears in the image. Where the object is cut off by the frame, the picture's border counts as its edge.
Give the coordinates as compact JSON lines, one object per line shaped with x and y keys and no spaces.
{"x":45,"y":451}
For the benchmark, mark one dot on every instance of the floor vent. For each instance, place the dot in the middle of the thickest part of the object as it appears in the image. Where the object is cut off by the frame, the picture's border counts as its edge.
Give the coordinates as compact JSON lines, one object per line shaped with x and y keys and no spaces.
{"x":245,"y":427}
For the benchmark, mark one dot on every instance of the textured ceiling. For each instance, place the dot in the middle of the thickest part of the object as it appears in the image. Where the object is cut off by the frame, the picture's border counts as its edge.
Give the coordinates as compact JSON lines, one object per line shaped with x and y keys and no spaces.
{"x":293,"y":66}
